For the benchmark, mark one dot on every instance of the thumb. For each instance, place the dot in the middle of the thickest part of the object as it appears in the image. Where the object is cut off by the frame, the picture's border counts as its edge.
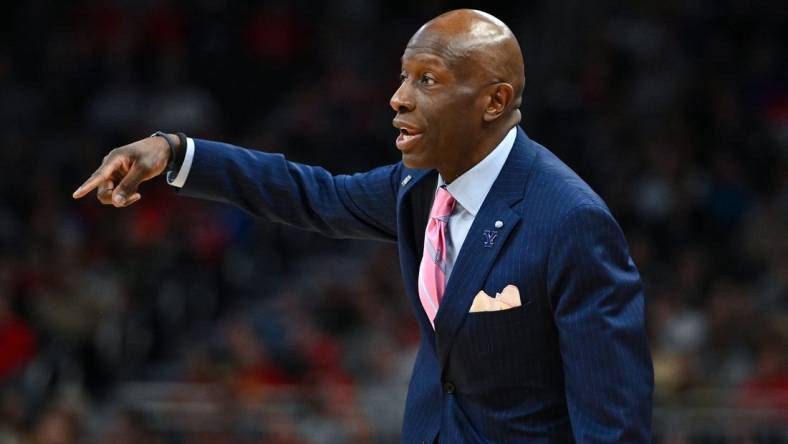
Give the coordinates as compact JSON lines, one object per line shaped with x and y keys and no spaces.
{"x":128,"y":186}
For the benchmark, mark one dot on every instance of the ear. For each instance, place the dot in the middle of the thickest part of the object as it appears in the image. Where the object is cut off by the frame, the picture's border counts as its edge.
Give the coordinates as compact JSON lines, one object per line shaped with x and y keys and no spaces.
{"x":498,"y":101}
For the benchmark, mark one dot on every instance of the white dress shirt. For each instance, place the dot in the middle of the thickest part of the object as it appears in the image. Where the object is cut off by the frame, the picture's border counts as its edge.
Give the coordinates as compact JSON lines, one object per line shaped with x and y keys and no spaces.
{"x":469,"y":190}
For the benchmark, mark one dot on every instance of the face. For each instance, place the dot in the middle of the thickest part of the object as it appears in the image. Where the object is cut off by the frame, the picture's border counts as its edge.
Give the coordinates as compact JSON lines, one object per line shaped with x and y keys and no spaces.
{"x":436,"y":106}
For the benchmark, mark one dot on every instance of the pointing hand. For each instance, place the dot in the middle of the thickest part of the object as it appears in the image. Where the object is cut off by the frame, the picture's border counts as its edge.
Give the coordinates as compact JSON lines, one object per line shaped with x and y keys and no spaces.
{"x":124,"y":168}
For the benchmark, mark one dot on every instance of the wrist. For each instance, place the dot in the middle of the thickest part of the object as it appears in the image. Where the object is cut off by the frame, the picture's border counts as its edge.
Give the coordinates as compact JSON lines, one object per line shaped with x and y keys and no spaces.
{"x":173,"y":138}
{"x":180,"y":150}
{"x":176,"y":144}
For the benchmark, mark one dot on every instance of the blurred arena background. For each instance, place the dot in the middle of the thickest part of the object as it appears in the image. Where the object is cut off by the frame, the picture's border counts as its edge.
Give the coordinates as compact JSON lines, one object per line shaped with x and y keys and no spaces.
{"x":178,"y":321}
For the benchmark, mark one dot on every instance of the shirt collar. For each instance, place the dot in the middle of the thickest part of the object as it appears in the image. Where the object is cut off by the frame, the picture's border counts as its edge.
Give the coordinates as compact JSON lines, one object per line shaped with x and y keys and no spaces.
{"x":472,"y":187}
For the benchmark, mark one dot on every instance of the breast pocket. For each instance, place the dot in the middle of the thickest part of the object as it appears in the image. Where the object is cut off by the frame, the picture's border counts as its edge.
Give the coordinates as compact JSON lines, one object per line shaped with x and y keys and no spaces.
{"x":496,"y":320}
{"x":488,"y":331}
{"x":492,"y":346}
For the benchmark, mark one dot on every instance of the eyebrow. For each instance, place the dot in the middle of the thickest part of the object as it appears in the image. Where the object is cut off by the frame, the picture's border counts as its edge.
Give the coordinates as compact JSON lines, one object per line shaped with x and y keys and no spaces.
{"x":430,"y":58}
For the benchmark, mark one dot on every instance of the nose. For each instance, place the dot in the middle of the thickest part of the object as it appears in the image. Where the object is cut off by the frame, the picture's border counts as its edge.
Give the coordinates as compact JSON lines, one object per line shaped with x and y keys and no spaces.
{"x":401,"y":101}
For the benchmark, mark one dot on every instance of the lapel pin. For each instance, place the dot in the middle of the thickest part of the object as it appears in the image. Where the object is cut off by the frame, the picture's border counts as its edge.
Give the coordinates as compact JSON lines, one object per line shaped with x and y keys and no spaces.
{"x":498,"y":224}
{"x":489,"y":238}
{"x":406,"y":180}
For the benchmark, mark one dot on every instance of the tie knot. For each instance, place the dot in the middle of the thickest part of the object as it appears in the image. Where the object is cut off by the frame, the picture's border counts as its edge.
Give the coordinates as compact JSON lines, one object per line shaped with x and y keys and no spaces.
{"x":443,"y":205}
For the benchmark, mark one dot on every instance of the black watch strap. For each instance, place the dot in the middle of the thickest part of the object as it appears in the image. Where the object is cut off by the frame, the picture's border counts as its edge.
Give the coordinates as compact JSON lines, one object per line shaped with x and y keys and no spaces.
{"x":180,"y":153}
{"x":177,"y":154}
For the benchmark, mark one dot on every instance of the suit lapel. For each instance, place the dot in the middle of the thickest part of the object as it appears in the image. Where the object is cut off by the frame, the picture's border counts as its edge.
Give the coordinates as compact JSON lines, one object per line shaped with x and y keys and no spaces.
{"x":483,"y":243}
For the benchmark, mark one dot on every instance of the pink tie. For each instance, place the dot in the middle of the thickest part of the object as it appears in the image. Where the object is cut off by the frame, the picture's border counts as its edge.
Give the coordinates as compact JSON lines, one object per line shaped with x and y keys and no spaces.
{"x":432,"y":272}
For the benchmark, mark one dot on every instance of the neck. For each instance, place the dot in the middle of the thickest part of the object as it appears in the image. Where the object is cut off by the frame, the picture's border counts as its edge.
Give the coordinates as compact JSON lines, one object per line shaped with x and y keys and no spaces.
{"x":473,"y":156}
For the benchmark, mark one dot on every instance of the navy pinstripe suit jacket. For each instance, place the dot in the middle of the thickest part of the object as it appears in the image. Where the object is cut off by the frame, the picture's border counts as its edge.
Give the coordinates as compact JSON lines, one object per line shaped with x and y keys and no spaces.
{"x":570,"y":365}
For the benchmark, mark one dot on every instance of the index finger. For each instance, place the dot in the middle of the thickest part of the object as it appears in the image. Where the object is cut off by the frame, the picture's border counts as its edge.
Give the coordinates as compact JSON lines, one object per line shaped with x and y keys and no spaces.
{"x":102,"y":173}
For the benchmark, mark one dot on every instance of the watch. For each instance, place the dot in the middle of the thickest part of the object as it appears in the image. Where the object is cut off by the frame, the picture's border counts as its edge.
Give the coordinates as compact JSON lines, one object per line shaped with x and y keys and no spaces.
{"x":176,"y":155}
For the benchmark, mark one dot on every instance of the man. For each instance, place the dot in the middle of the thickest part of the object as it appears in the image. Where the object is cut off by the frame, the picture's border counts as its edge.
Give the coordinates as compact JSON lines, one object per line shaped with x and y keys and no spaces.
{"x":530,"y":308}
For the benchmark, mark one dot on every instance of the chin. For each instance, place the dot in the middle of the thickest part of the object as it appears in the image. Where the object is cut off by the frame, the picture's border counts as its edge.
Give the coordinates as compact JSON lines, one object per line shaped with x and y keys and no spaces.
{"x":411,"y":161}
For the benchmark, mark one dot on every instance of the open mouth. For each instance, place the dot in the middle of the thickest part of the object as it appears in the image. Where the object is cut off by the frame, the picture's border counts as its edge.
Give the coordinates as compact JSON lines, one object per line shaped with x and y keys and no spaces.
{"x":408,"y":134}
{"x":407,"y":138}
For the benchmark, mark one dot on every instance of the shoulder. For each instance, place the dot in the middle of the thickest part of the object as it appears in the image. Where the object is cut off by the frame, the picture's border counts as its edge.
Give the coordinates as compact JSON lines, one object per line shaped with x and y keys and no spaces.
{"x":576,"y":217}
{"x":556,"y":191}
{"x":388,"y":174}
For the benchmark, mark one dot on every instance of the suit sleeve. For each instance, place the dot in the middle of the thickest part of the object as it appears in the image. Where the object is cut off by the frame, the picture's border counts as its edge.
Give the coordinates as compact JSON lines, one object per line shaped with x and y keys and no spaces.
{"x":598,"y":305}
{"x":266,"y":185}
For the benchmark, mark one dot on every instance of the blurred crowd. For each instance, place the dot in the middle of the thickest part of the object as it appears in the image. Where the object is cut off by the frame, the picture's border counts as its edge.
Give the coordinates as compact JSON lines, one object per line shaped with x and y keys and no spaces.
{"x":187,"y":322}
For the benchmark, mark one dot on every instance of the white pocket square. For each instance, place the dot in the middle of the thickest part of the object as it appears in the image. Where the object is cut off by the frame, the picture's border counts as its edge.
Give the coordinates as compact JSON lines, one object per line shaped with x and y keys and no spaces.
{"x":508,"y":298}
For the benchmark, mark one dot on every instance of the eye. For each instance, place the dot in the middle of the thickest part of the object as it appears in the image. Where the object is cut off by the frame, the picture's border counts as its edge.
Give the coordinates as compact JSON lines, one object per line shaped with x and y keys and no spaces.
{"x":428,"y":79}
{"x":402,"y":77}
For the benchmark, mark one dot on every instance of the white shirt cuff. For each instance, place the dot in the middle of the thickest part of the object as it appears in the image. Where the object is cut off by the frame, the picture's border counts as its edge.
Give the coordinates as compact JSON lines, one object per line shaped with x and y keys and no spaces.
{"x":179,"y":179}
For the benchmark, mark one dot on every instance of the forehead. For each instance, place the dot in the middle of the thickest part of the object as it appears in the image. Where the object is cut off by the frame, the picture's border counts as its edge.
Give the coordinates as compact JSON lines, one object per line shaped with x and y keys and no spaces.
{"x":432,"y":51}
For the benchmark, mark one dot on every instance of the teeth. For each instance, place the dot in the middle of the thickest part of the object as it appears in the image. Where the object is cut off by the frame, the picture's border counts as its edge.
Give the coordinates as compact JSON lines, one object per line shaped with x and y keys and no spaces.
{"x":406,"y":135}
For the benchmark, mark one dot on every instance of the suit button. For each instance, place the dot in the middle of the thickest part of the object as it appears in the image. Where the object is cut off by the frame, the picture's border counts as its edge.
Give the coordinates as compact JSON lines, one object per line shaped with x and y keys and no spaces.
{"x":448,"y":387}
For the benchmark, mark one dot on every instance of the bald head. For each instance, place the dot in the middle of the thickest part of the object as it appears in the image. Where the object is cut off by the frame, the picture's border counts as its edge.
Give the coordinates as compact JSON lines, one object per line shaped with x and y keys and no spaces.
{"x":477,"y":44}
